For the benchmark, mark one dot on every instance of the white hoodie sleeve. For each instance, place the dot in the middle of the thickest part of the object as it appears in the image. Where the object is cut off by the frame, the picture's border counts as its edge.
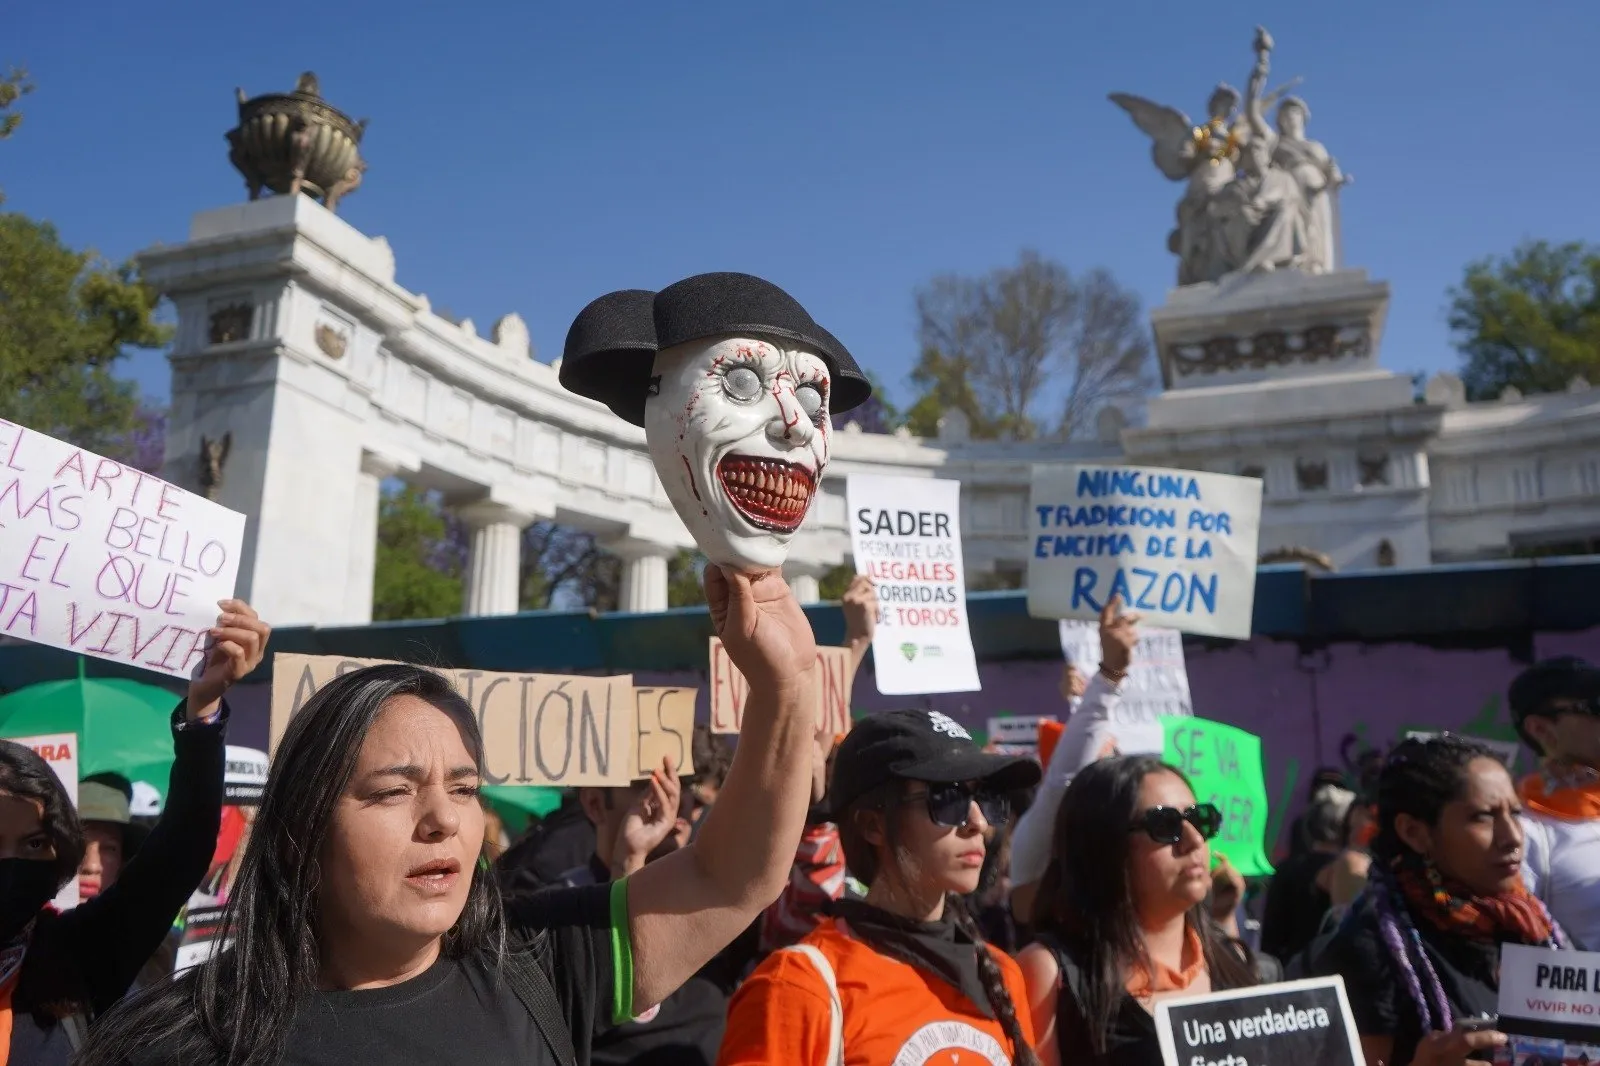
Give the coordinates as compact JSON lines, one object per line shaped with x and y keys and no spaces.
{"x":1082,"y":742}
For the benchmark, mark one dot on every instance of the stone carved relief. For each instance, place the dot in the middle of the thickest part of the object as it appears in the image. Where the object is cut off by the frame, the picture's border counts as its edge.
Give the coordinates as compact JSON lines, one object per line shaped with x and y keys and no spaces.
{"x":1386,"y":554}
{"x":332,"y":341}
{"x":1271,"y":348}
{"x":1308,"y":556}
{"x":229,"y":324}
{"x":213,"y":457}
{"x":1373,"y":470}
{"x":1311,"y":474}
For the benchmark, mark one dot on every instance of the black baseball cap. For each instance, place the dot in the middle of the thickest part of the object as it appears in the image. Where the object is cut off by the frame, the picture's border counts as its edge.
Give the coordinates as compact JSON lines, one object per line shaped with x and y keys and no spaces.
{"x":918,"y":746}
{"x":1569,"y":680}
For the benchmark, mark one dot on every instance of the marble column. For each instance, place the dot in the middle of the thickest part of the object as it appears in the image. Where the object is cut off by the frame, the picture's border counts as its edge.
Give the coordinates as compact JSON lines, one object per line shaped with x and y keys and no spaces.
{"x":375,"y":470}
{"x":644,"y":575}
{"x":805,"y":580}
{"x":494,"y":564}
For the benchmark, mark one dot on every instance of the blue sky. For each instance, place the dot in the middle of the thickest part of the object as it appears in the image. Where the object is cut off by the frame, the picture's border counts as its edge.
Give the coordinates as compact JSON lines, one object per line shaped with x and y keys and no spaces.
{"x":531,"y":156}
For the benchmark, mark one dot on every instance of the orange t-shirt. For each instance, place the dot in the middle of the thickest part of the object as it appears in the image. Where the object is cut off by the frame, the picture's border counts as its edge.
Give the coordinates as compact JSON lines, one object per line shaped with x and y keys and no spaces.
{"x":894,"y":1014}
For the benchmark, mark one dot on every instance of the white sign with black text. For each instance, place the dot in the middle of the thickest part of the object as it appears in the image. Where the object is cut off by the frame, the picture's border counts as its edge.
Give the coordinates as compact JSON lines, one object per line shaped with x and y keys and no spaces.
{"x":1550,"y":1003}
{"x":1266,"y":1025}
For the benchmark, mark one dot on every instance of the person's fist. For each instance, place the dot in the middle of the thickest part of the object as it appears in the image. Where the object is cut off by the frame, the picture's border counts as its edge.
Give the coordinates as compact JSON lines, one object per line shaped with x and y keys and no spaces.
{"x":238,"y":643}
{"x":1119,"y":633}
{"x":860,"y":610}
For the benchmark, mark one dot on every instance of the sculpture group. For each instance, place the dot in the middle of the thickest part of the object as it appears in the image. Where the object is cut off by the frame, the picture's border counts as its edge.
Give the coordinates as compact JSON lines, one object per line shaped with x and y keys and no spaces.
{"x":1258,"y":198}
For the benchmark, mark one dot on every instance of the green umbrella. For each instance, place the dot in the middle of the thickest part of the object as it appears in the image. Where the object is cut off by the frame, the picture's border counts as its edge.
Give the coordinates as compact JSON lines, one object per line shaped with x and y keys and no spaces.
{"x":515,"y":803}
{"x":122,"y":726}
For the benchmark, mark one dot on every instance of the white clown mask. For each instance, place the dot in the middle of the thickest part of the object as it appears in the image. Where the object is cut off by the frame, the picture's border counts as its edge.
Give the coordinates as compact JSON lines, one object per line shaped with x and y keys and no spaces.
{"x":738,"y":430}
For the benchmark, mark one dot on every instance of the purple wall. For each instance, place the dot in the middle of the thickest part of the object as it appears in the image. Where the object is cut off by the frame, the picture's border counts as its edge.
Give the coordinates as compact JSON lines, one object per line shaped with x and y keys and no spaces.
{"x":1306,"y":708}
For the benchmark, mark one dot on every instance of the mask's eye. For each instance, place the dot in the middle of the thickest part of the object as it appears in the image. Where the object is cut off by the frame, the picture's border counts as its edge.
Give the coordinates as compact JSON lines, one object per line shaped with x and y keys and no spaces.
{"x":742,"y":383}
{"x":810,"y":399}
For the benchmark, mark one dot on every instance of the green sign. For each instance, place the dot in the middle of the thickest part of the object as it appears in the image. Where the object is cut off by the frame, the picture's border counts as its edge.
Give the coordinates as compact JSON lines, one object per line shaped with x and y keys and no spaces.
{"x":1223,"y":764}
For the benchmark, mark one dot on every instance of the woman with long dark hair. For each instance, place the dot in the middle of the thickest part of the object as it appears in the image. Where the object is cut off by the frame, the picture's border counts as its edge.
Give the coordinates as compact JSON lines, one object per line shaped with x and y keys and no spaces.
{"x":59,"y":971}
{"x":1419,"y":951}
{"x":904,"y":974}
{"x":365,"y":929}
{"x":1121,"y":915}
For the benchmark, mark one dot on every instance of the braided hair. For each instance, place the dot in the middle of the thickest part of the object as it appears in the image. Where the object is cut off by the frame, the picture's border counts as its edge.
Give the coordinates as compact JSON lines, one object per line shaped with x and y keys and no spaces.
{"x":1419,"y":778}
{"x":862,"y":860}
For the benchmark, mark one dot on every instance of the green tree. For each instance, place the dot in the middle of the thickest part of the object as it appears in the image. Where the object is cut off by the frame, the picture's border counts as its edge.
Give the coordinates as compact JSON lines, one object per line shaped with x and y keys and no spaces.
{"x":418,"y":569}
{"x":832,"y":586}
{"x":65,"y":319}
{"x":1028,"y":350}
{"x":684,"y":571}
{"x":1530,"y":320}
{"x":13,"y":87}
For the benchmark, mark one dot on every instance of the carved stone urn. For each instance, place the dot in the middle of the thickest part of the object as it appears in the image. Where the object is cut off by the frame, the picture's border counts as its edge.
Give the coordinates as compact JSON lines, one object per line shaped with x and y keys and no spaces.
{"x":297,"y":142}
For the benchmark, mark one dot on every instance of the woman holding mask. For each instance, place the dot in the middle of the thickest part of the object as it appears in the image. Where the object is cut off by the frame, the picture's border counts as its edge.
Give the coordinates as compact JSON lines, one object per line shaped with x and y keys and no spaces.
{"x":58,"y":971}
{"x":1131,"y":926}
{"x":1419,"y":951}
{"x":365,"y":929}
{"x":903,"y":975}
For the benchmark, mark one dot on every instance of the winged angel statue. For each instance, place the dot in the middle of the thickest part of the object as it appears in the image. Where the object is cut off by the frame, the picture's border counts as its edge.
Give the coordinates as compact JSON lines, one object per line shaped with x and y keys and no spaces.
{"x":1257,"y":199}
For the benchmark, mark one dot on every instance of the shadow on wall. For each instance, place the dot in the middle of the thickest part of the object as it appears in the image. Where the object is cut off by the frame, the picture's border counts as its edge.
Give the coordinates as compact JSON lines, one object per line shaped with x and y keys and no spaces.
{"x":1310,"y":709}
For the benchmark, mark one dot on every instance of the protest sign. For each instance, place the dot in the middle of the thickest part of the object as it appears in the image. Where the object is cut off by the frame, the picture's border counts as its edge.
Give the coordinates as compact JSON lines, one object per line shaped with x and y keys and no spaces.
{"x":1550,"y":1004}
{"x":106,"y":560}
{"x":538,"y":729}
{"x":1264,"y":1025}
{"x":60,"y":751}
{"x":729,"y":690}
{"x":1178,"y":546}
{"x":1223,"y":765}
{"x":1016,"y":734}
{"x":664,"y":728}
{"x":905,"y":533}
{"x":243,"y":778}
{"x":1157,"y":685}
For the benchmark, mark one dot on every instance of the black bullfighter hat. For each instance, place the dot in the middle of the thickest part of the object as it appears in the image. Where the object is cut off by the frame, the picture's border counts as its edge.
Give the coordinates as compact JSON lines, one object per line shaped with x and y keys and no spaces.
{"x":610,"y":346}
{"x":604,"y":361}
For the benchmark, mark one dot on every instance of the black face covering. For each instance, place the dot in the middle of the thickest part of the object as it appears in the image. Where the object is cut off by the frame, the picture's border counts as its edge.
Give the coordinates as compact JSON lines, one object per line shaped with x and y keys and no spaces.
{"x":26,"y":885}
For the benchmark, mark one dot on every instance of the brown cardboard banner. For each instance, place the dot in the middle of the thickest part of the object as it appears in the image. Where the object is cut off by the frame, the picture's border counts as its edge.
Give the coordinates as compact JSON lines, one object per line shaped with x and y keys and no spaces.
{"x":559,"y":730}
{"x":729,"y":690}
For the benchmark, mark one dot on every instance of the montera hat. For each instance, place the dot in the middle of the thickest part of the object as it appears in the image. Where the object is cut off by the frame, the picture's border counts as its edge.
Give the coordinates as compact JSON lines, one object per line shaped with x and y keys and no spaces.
{"x":606,"y":357}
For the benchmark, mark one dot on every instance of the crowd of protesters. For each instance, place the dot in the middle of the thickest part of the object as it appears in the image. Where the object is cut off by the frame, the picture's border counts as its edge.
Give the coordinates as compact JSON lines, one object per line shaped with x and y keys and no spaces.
{"x":895,"y":895}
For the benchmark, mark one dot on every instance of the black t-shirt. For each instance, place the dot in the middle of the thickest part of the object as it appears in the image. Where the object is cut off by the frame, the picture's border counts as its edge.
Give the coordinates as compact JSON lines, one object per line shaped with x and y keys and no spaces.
{"x":462,"y":1012}
{"x":1380,"y":997}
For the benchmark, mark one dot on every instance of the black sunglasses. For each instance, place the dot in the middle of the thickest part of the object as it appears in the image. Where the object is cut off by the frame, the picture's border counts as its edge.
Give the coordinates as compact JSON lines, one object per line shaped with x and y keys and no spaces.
{"x":1164,"y":825}
{"x":950,"y":804}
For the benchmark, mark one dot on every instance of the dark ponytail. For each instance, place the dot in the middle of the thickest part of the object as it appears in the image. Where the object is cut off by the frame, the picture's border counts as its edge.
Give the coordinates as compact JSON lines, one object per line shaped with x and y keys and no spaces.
{"x":994,"y":986}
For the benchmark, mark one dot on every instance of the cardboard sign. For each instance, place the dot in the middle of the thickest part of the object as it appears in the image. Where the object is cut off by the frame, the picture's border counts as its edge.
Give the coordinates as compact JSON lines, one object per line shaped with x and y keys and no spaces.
{"x":60,"y":750}
{"x":538,"y":729}
{"x":1223,"y":765}
{"x":729,"y":690}
{"x":1550,"y":1003}
{"x":664,"y":728}
{"x":105,"y":560}
{"x":1265,"y":1025}
{"x":905,"y":533}
{"x":1157,"y":685}
{"x":1178,"y":546}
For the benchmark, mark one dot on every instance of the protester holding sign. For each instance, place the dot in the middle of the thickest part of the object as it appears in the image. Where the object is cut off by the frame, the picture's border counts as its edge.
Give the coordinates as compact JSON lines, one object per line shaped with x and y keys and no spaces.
{"x":1420,"y":950}
{"x":1089,"y":735}
{"x":1121,"y":915}
{"x":365,"y":930}
{"x":59,"y":971}
{"x":903,"y":975}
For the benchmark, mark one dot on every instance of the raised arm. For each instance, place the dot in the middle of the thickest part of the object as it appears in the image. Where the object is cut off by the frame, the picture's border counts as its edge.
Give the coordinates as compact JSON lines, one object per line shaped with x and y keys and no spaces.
{"x":687,"y":906}
{"x":114,"y":934}
{"x":860,"y":619}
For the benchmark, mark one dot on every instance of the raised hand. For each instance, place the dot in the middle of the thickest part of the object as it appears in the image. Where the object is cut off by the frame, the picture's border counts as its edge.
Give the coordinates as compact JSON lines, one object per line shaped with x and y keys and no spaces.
{"x":1119,"y":633}
{"x":860,"y":610}
{"x":650,"y":820}
{"x":761,"y":625}
{"x":238,"y":643}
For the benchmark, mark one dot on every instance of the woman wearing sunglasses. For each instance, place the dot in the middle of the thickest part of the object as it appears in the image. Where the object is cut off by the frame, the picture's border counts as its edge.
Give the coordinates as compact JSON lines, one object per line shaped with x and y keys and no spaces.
{"x":1121,"y":915}
{"x":902,"y":975}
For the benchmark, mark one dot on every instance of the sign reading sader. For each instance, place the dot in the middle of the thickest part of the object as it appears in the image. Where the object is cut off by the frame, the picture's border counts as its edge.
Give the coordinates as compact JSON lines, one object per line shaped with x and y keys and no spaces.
{"x":1223,"y":765}
{"x":1268,"y":1025}
{"x":729,"y":690}
{"x":1178,"y":546}
{"x":105,"y":560}
{"x":906,"y":536}
{"x":538,"y":729}
{"x":1550,"y":1003}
